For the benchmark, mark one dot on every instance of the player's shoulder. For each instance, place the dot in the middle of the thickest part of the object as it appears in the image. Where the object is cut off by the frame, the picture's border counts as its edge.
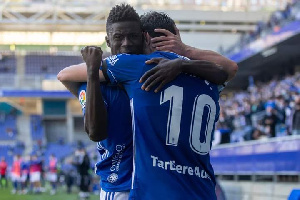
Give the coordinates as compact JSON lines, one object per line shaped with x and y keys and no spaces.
{"x":170,"y":55}
{"x":82,"y":86}
{"x":114,"y":59}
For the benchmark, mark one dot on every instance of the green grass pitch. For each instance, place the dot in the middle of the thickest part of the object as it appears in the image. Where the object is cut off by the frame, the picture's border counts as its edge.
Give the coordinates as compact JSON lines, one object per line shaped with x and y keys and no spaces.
{"x":5,"y":194}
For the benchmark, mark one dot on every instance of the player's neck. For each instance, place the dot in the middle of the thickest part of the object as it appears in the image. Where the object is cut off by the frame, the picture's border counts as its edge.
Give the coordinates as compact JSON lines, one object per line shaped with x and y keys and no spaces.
{"x":148,"y":50}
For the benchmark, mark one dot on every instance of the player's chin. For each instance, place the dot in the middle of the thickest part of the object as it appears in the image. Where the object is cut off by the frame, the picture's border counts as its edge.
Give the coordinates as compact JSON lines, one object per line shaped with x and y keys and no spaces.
{"x":130,"y":51}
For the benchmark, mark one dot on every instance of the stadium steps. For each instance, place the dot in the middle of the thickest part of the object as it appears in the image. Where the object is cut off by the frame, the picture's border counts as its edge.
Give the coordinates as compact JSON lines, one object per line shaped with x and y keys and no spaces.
{"x":24,"y":135}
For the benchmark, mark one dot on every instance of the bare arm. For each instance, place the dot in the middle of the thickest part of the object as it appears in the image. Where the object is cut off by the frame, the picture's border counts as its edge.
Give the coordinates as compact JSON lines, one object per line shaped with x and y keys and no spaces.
{"x":173,"y":43}
{"x":76,"y":73}
{"x":95,"y":110}
{"x":228,"y":66}
{"x":72,"y":87}
{"x":205,"y":70}
{"x":168,"y":70}
{"x":71,"y":77}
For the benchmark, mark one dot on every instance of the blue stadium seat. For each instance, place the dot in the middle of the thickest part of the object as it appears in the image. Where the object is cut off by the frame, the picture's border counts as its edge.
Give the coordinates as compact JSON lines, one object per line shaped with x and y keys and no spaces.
{"x":9,"y":151}
{"x":37,"y":129}
{"x":59,"y":150}
{"x":8,"y":64}
{"x":49,"y":64}
{"x":8,"y":127}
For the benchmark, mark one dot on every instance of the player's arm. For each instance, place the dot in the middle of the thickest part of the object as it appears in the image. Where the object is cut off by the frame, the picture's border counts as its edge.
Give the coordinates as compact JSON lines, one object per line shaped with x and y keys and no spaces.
{"x":72,"y":76}
{"x":168,"y":70}
{"x":95,"y":110}
{"x":173,"y":43}
{"x":71,"y":86}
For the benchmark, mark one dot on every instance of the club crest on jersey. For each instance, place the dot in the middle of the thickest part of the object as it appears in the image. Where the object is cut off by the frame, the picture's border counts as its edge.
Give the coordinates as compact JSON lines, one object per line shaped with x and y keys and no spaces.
{"x":82,"y":98}
{"x":112,"y":178}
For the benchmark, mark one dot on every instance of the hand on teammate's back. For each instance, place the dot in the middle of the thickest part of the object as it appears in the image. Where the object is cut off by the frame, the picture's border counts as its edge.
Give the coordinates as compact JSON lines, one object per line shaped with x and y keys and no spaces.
{"x":165,"y":71}
{"x":170,"y":42}
{"x":92,"y":56}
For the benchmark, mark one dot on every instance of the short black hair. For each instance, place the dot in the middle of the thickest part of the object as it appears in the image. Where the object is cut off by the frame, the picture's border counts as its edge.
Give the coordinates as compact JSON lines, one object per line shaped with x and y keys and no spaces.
{"x":152,"y":20}
{"x":122,"y":13}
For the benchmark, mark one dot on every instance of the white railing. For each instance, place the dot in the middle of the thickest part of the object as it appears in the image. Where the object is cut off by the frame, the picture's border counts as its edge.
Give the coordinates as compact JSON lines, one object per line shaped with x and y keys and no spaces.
{"x":29,"y":82}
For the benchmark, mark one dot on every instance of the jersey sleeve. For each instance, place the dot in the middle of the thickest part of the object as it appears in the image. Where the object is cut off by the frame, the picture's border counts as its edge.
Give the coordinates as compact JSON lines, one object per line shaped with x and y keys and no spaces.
{"x":183,"y":57}
{"x":221,"y":87}
{"x":123,"y":68}
{"x":82,"y":96}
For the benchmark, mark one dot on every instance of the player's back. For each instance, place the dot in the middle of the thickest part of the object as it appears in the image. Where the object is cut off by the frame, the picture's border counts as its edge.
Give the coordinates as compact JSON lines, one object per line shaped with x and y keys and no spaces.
{"x":172,"y":132}
{"x":173,"y":138}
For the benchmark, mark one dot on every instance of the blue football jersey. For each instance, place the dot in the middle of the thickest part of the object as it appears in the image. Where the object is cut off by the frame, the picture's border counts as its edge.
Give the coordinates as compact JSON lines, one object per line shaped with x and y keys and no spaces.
{"x":116,"y":152}
{"x":172,"y":131}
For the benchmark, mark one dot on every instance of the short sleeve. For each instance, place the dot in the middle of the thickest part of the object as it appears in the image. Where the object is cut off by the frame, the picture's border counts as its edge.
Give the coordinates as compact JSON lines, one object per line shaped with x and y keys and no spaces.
{"x":221,"y":87}
{"x":123,"y":67}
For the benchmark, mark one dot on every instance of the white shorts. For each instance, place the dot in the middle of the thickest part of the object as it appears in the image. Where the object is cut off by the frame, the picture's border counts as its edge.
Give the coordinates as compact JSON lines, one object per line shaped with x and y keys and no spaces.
{"x":35,"y":177}
{"x":52,"y":177}
{"x":114,"y":195}
{"x":23,"y":178}
{"x":15,"y":177}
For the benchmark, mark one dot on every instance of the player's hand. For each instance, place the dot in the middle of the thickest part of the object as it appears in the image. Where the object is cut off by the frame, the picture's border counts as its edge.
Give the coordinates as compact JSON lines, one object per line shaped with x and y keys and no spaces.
{"x":170,"y":42}
{"x":165,"y":71}
{"x":92,"y":56}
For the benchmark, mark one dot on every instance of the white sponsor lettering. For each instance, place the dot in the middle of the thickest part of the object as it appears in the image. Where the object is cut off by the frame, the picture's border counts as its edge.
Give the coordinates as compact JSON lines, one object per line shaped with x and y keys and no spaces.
{"x":180,"y":169}
{"x":117,"y":157}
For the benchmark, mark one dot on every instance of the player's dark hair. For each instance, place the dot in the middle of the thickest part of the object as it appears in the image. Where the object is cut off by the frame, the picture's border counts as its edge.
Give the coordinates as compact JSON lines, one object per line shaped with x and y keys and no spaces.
{"x":152,"y":20}
{"x":121,"y":13}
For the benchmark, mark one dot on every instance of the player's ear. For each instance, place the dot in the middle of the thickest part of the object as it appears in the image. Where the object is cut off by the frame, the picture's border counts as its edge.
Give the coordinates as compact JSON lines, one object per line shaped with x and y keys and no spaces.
{"x":147,"y":38}
{"x":107,"y":41}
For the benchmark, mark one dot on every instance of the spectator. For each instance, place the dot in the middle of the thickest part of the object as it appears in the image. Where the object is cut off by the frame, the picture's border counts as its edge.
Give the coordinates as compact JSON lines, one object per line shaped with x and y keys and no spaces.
{"x":35,"y":169}
{"x":25,"y":174}
{"x":265,"y":110}
{"x":3,"y":168}
{"x":276,"y":20}
{"x":296,"y":118}
{"x":83,"y":166}
{"x":16,"y":173}
{"x":269,"y":121}
{"x":10,"y":132}
{"x":52,"y":173}
{"x":70,"y":174}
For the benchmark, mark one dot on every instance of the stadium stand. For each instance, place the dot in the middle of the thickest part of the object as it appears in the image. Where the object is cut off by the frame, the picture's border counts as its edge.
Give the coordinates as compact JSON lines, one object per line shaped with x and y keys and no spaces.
{"x":7,"y":62}
{"x":255,"y":147}
{"x":49,"y":64}
{"x":265,"y":110}
{"x":37,"y":129}
{"x":8,"y":127}
{"x":59,"y":150}
{"x":277,"y":20}
{"x":8,"y":151}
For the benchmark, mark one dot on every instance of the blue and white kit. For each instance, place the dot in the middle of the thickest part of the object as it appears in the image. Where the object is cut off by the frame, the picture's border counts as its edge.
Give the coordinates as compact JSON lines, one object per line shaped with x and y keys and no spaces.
{"x":115,"y":165}
{"x":172,"y":131}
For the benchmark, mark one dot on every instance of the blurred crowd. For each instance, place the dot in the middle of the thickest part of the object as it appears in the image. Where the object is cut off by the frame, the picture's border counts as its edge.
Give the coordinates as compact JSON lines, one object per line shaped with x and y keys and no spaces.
{"x":263,"y":111}
{"x":36,"y":174}
{"x":276,"y":21}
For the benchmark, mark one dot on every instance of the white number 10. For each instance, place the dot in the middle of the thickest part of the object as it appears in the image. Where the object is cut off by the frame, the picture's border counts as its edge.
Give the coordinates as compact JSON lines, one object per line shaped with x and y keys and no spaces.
{"x":174,"y":94}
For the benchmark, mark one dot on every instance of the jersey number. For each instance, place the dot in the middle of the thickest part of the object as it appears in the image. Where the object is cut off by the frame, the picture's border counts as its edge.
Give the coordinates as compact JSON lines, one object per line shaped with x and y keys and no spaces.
{"x":174,"y":94}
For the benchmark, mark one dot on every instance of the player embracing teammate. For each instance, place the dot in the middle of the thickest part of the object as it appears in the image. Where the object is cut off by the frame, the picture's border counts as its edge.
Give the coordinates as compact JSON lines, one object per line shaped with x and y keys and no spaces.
{"x":172,"y":128}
